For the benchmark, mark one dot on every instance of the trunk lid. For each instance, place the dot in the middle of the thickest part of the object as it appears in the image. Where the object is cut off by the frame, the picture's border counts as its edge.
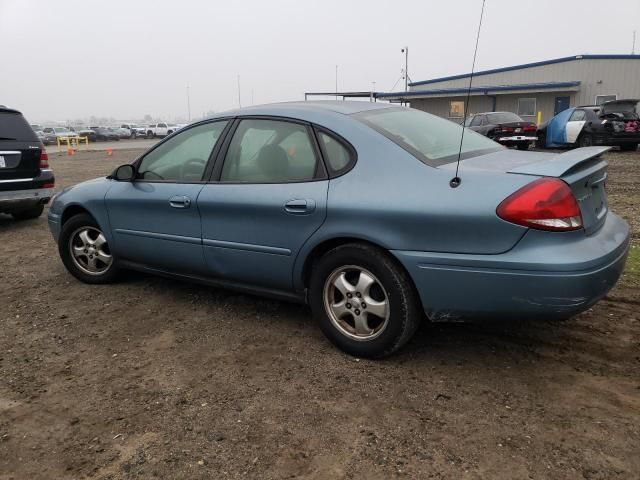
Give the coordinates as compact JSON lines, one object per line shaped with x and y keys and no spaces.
{"x":583,"y":169}
{"x":627,"y":106}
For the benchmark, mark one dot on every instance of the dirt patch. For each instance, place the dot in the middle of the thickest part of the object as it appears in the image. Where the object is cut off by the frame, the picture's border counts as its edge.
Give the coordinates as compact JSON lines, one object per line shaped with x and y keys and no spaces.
{"x":154,"y":378}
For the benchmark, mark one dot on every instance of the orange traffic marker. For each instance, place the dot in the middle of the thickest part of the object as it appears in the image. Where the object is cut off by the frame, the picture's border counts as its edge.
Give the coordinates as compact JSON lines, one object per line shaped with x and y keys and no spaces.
{"x":70,"y":151}
{"x":109,"y":152}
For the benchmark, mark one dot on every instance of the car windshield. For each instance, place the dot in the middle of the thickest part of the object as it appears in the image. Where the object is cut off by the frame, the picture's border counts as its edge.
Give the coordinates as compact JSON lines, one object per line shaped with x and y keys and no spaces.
{"x":61,"y":129}
{"x":503,"y":117}
{"x":433,"y":140}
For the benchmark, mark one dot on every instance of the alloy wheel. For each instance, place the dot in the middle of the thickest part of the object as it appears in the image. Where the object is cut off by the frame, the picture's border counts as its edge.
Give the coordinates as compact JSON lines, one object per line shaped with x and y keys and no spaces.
{"x":356,"y":303}
{"x":90,"y":251}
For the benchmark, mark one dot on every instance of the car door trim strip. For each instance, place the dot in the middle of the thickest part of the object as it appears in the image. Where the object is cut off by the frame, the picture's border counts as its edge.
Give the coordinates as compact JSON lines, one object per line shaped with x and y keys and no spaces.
{"x":160,"y":236}
{"x":246,"y":246}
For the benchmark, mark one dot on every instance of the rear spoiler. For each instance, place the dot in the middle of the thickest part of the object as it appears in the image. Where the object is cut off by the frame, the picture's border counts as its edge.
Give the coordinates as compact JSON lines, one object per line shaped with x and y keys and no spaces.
{"x":559,"y":165}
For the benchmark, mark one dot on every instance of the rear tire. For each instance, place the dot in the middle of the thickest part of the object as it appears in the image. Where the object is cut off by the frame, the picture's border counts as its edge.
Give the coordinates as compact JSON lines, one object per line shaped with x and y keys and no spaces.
{"x":541,"y":142}
{"x":523,"y":146}
{"x":585,"y":140}
{"x":380,"y":309}
{"x":92,"y":261}
{"x":629,"y":148}
{"x":28,"y":213}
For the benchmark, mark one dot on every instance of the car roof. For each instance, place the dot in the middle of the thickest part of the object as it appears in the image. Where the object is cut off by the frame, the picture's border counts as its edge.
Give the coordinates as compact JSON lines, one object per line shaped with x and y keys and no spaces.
{"x":304,"y":109}
{"x":8,"y":110}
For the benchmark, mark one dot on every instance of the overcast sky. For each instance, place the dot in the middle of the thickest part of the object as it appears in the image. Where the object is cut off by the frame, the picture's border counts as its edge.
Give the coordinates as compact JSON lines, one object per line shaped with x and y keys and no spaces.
{"x":67,"y":59}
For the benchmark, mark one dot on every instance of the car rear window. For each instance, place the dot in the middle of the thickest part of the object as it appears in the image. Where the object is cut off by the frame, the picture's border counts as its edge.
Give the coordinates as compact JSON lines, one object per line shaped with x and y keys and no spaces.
{"x":13,"y":126}
{"x":433,"y":140}
{"x":503,"y":117}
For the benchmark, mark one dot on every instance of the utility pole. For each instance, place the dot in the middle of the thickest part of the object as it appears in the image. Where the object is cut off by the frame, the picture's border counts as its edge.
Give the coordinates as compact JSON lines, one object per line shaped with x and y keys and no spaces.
{"x":239,"y":100}
{"x":405,"y":50}
{"x":336,"y":82}
{"x":188,"y":104}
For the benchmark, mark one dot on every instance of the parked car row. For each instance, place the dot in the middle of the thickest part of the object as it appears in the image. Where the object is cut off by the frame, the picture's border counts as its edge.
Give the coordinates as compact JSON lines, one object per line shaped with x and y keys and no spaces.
{"x":615,"y":123}
{"x":50,"y":135}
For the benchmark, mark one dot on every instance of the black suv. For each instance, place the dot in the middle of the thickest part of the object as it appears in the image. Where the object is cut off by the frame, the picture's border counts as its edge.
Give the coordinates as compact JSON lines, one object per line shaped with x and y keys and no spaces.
{"x":26,"y":181}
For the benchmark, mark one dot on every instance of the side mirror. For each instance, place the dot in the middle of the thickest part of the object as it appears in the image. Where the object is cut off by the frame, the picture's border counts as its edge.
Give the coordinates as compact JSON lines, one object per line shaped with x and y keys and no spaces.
{"x":124,"y":173}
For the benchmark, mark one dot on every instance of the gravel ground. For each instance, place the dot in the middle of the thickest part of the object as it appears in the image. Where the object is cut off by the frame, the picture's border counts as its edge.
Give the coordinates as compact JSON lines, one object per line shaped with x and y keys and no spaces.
{"x":154,"y":378}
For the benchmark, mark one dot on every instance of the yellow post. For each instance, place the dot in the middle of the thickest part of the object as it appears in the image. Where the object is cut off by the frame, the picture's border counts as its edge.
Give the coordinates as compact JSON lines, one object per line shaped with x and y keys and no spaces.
{"x":539,"y":119}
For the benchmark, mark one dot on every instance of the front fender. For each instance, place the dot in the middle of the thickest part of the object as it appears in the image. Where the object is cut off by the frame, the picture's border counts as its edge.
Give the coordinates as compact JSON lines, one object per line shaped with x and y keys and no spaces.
{"x":89,"y":196}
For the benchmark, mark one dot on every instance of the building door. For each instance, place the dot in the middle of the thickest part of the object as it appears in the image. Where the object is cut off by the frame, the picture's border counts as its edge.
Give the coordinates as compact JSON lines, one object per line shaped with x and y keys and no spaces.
{"x":562,"y":103}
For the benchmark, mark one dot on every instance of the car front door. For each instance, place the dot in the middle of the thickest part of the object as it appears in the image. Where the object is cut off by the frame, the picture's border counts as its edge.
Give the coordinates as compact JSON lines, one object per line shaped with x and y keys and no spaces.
{"x":267,"y":197}
{"x":155,"y":219}
{"x":575,"y":124}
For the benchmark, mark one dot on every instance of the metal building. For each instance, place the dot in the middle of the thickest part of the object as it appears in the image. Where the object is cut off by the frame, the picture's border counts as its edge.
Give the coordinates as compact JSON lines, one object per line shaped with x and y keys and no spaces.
{"x":547,"y":87}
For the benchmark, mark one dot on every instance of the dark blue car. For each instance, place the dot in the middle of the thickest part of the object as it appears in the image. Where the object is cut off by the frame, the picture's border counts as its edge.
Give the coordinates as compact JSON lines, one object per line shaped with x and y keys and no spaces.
{"x":349,"y":207}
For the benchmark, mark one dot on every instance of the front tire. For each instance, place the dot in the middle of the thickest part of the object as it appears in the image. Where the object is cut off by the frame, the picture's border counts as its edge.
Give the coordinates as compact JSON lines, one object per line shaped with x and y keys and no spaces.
{"x":629,"y":148}
{"x":85,"y":252}
{"x":28,"y":213}
{"x":363,"y":301}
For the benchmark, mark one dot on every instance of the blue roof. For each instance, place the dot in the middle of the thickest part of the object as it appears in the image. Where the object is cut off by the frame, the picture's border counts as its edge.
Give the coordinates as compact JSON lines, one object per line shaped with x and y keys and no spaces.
{"x":482,"y":89}
{"x":529,"y":65}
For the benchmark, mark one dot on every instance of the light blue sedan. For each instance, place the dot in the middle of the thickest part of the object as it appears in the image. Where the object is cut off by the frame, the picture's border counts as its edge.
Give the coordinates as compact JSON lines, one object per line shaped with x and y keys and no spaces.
{"x":351,"y":207}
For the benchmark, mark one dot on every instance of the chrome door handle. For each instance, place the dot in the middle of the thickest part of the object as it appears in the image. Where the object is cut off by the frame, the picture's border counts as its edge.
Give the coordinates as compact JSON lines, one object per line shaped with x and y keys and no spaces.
{"x":300,"y":206}
{"x":180,"y":201}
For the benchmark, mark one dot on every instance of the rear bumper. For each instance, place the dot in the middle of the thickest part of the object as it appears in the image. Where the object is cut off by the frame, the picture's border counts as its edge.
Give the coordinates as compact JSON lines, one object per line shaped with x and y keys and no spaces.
{"x":517,"y":138}
{"x":545,"y":275}
{"x":16,"y":199}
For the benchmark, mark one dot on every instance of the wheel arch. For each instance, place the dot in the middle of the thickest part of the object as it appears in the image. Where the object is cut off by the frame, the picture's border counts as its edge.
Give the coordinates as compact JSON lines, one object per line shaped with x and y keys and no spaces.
{"x":71,"y":211}
{"x":327,"y":244}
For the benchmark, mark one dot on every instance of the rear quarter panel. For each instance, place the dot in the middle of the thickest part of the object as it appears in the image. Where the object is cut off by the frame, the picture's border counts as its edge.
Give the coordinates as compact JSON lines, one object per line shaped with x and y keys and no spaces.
{"x":392,"y":199}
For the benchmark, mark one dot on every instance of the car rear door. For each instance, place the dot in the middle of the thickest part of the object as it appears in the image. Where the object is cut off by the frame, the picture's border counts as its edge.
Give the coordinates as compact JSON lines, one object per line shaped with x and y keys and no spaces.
{"x":20,"y":151}
{"x":575,"y":124}
{"x":155,"y":219}
{"x":268,"y":195}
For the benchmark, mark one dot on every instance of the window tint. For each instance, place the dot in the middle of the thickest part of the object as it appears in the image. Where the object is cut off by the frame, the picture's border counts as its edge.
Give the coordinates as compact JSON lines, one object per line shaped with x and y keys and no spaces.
{"x":503,"y":117}
{"x":476,"y":121}
{"x":578,"y":116}
{"x":527,"y":107}
{"x":13,"y":126}
{"x":338,"y":155}
{"x":184,"y":157}
{"x":433,"y":140}
{"x":269,"y":151}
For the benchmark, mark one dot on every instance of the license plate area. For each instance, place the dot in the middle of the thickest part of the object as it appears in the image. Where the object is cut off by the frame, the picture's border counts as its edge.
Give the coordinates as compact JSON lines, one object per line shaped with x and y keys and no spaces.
{"x":10,"y":159}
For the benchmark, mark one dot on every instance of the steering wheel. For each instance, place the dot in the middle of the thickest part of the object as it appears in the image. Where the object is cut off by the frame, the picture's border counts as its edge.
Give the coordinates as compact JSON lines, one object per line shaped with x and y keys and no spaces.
{"x":184,"y":170}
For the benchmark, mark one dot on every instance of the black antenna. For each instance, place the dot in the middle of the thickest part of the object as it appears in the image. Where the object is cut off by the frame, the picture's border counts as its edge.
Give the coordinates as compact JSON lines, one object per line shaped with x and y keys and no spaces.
{"x":456,"y":181}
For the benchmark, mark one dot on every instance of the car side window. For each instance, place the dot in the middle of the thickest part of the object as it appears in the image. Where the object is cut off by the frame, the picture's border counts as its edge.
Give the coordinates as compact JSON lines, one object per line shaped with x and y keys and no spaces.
{"x":269,"y":151}
{"x":476,"y":122}
{"x":184,"y":157}
{"x":337,"y":155}
{"x":578,"y":116}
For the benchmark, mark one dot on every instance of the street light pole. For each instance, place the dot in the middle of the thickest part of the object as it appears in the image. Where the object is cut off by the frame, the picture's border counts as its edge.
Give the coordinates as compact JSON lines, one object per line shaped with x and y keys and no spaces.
{"x":406,"y":68}
{"x":336,"y":82}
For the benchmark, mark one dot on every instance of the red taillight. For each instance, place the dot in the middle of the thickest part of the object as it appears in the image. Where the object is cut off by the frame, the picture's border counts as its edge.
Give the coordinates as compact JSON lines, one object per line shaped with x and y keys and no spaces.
{"x":44,"y":159}
{"x":546,"y":204}
{"x":530,"y":127}
{"x":506,"y":130}
{"x":49,"y":185}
